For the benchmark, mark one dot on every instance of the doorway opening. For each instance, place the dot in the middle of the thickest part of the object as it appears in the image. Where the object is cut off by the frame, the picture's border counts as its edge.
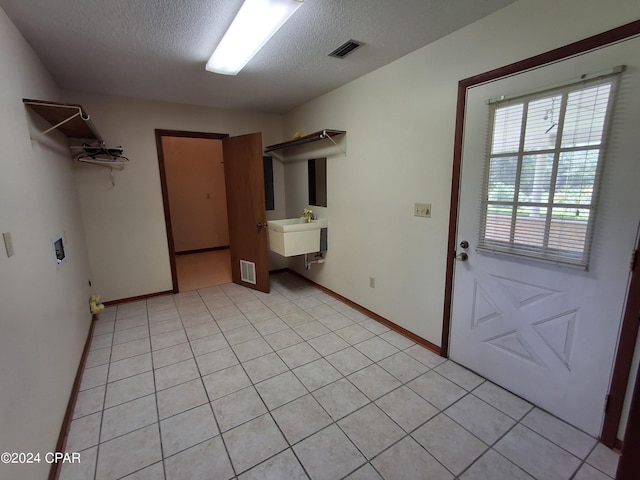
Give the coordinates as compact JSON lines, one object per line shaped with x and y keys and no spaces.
{"x":195,"y":206}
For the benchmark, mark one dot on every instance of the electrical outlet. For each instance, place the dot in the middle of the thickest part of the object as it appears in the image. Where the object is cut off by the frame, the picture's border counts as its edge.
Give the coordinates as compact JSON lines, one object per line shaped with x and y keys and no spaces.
{"x":422,"y":210}
{"x":372,"y":282}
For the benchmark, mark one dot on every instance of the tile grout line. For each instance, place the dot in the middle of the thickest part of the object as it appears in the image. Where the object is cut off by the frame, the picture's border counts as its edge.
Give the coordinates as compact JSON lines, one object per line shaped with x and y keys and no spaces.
{"x":104,"y":400}
{"x":309,"y":392}
{"x":290,"y":370}
{"x":269,"y":411}
{"x":123,"y":403}
{"x":155,"y":395}
{"x":489,"y":446}
{"x":342,"y":376}
{"x":213,"y":413}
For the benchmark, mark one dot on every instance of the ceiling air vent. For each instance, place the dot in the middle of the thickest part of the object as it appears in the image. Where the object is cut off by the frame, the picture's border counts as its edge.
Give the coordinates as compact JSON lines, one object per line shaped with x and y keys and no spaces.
{"x":346,"y":48}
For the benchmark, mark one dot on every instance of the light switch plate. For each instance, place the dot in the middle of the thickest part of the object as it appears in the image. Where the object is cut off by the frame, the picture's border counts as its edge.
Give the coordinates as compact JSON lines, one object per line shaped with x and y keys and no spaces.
{"x":422,"y":210}
{"x":8,"y":243}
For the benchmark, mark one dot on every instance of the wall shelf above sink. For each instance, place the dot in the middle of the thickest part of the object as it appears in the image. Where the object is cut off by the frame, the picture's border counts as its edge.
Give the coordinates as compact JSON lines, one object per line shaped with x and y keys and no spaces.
{"x":313,"y":137}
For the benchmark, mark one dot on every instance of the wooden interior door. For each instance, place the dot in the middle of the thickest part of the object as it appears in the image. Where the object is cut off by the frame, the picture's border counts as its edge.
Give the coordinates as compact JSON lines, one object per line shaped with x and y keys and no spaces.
{"x":244,"y":179}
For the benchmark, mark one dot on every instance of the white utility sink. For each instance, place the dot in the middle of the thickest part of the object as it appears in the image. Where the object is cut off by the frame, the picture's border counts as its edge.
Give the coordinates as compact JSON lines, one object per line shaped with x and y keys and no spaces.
{"x":295,"y":236}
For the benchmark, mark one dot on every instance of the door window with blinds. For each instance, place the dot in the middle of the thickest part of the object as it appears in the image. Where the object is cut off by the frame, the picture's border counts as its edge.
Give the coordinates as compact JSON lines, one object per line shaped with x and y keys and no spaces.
{"x":544,"y":162}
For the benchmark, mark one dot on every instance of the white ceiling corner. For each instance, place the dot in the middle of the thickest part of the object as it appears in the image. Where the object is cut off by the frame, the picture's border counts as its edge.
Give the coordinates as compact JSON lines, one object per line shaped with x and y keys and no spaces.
{"x":157,"y":49}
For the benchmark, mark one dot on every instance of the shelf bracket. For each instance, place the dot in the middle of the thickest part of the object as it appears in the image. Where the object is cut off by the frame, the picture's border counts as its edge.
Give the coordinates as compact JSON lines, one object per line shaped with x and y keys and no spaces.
{"x":78,"y":113}
{"x":276,"y":156}
{"x":68,"y":118}
{"x":324,"y":135}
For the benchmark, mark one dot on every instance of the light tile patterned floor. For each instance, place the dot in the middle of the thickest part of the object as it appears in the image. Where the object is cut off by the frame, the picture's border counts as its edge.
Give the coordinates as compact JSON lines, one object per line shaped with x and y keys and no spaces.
{"x":228,"y":383}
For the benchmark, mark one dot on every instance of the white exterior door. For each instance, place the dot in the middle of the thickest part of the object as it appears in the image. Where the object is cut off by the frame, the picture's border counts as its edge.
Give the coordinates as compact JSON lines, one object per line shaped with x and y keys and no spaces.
{"x":547,"y":332}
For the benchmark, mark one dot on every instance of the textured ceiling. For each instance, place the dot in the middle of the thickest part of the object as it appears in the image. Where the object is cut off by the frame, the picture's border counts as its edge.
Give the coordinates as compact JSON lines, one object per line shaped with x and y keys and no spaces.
{"x":157,"y":49}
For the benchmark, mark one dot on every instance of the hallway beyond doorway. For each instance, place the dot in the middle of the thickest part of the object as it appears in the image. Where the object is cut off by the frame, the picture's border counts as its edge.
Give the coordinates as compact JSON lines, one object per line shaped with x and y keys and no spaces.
{"x":203,"y":269}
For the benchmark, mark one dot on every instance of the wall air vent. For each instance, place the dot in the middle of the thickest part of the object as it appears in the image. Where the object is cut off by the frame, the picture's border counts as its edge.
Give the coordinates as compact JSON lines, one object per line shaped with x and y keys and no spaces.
{"x":346,"y":48}
{"x":248,"y":272}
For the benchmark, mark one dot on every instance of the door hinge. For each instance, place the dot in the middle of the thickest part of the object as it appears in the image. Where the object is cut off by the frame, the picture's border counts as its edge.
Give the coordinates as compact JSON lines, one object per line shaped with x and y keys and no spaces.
{"x":634,"y":259}
{"x":607,"y":401}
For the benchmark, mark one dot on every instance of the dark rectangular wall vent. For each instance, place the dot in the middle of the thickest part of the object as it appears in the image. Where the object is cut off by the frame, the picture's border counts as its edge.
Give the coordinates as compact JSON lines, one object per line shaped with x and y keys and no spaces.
{"x":346,"y":48}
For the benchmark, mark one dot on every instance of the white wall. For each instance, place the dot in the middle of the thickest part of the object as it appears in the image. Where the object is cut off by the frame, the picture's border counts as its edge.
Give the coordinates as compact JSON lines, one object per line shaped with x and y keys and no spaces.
{"x":124,"y":225}
{"x":400,"y":127}
{"x":44,"y":311}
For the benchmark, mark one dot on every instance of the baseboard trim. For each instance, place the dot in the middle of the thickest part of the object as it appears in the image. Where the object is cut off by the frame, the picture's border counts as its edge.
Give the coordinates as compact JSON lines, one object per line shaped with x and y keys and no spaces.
{"x":54,"y":472}
{"x":280,"y":270}
{"x":111,"y":303}
{"x":380,"y":319}
{"x":202,"y":250}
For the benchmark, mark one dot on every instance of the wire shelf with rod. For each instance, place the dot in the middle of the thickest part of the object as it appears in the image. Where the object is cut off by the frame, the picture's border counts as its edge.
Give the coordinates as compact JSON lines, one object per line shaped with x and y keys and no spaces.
{"x":74,"y":122}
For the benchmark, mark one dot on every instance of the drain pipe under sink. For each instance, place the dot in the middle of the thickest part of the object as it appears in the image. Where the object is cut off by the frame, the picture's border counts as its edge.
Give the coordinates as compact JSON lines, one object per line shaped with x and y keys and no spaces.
{"x":317,"y":258}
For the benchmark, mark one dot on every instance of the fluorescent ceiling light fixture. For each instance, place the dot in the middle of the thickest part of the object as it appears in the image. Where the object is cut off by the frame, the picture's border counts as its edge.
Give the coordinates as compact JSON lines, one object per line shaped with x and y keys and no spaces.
{"x":254,"y":25}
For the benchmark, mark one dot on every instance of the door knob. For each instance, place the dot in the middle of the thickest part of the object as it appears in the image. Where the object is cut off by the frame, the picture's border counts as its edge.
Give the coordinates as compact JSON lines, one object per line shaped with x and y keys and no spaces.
{"x":463,"y":257}
{"x":261,"y":224}
{"x":464,"y":244}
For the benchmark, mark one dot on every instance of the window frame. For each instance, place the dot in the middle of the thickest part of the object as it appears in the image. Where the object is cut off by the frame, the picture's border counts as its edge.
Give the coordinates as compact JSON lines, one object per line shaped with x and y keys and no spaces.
{"x":544,"y":253}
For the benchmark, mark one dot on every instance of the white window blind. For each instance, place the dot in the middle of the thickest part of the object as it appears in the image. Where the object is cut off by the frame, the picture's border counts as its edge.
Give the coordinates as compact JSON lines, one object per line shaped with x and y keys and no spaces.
{"x":543,"y":168}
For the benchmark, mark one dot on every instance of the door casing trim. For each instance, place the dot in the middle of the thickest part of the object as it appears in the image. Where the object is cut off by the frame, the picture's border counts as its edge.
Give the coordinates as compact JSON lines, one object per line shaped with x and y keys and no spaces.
{"x":165,"y":191}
